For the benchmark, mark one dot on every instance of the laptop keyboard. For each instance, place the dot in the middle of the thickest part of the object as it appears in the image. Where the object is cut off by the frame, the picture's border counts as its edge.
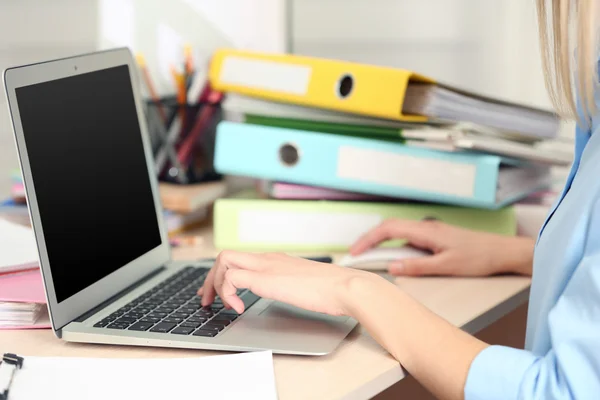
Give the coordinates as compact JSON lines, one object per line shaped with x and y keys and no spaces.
{"x":173,"y":307}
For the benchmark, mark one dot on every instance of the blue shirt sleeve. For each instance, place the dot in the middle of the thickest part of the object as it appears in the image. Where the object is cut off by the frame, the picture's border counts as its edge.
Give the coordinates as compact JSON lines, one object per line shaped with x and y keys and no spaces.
{"x":571,"y":368}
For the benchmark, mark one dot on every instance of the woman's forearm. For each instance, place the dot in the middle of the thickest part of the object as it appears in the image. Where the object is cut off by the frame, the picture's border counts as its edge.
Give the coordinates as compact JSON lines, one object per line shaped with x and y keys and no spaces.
{"x":435,"y":352}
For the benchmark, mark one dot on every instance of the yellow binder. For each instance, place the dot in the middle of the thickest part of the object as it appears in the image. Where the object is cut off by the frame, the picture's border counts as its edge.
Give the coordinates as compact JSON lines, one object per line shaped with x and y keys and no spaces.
{"x":374,"y":91}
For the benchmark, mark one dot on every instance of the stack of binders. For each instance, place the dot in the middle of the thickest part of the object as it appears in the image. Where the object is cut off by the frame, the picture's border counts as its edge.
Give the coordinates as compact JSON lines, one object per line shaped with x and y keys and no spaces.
{"x":336,"y":147}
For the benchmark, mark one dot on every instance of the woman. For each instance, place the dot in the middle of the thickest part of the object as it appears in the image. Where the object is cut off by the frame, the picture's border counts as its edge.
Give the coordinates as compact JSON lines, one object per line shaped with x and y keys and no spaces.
{"x":561,"y":359}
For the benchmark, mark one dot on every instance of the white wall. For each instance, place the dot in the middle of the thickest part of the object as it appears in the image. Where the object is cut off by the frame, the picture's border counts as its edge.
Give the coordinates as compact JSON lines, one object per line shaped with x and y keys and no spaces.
{"x":488,"y":46}
{"x":36,"y":30}
{"x":159,"y":29}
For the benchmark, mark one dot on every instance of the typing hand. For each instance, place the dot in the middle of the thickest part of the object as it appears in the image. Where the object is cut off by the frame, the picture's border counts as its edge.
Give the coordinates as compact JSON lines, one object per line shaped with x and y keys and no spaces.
{"x":456,"y":251}
{"x":315,"y":286}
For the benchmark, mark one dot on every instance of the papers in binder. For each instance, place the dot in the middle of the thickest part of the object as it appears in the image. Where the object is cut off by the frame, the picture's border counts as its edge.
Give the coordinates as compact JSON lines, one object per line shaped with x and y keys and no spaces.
{"x":23,"y":301}
{"x":437,"y":101}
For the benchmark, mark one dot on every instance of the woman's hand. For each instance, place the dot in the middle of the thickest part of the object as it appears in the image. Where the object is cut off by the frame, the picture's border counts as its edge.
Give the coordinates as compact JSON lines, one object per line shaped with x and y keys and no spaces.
{"x":437,"y":353}
{"x":311,"y":285}
{"x":455,"y":251}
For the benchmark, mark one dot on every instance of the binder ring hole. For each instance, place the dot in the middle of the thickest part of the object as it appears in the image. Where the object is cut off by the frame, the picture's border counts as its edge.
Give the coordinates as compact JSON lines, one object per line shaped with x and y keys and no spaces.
{"x":344,"y":86}
{"x":288,"y":154}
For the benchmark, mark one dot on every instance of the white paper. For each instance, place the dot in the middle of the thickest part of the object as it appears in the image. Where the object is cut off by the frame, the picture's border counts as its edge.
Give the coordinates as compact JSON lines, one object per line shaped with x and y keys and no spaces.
{"x":231,"y":376}
{"x":18,"y":248}
{"x":266,"y":75}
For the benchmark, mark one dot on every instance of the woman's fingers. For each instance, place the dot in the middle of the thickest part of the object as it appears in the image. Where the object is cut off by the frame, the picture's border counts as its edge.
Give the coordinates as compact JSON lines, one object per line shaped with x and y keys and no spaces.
{"x":438,"y":264}
{"x":241,"y":260}
{"x":228,"y":260}
{"x":237,"y":279}
{"x":221,"y":269}
{"x":208,"y":289}
{"x":416,"y":232}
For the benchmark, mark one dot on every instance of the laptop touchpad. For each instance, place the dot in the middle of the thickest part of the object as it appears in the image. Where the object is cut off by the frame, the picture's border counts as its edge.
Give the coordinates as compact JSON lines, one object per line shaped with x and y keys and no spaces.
{"x":283,"y":310}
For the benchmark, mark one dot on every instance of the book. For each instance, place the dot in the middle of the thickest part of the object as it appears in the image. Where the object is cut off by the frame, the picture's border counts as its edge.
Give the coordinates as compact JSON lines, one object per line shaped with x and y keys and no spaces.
{"x":374,"y":167}
{"x":190,"y":197}
{"x":369,"y":90}
{"x":179,"y":222}
{"x":15,"y":212}
{"x":247,"y":222}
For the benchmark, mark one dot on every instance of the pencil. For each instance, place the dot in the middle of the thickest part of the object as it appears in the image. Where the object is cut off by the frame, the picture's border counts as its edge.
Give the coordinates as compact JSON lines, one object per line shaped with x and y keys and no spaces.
{"x":187,"y":52}
{"x":181,"y":96}
{"x":142,"y":64}
{"x":188,"y":66}
{"x":178,"y":78}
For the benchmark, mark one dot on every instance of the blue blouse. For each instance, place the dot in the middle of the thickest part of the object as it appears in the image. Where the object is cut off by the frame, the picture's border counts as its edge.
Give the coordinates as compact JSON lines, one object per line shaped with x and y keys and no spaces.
{"x":561,"y":359}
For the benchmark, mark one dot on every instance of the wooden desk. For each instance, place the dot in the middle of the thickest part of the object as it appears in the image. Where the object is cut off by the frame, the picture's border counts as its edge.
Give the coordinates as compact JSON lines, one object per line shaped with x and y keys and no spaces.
{"x":359,"y":369}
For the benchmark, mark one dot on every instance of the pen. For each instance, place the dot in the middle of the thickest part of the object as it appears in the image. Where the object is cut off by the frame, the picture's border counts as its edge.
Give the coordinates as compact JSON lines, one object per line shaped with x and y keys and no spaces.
{"x":200,"y":125}
{"x":8,"y":366}
{"x":188,"y":66}
{"x":181,"y":98}
{"x":142,"y":63}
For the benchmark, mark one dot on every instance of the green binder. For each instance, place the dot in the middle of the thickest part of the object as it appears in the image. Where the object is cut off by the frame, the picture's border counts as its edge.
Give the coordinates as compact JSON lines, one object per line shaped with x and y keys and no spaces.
{"x":375,"y":132}
{"x":249,"y":223}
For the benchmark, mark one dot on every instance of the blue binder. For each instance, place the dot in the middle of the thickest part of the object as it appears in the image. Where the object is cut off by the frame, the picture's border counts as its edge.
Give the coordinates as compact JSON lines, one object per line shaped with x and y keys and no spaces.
{"x":374,"y":166}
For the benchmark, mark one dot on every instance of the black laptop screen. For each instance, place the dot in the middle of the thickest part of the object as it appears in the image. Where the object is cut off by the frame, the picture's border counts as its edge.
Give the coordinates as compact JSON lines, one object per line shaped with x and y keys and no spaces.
{"x":90,"y":175}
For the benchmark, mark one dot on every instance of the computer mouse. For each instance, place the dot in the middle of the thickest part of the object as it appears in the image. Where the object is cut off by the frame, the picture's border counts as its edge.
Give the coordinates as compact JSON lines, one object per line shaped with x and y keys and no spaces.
{"x":379,"y":257}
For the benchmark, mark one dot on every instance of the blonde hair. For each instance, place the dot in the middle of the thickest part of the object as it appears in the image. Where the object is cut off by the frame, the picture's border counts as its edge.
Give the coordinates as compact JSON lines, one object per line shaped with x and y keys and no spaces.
{"x":568,"y":40}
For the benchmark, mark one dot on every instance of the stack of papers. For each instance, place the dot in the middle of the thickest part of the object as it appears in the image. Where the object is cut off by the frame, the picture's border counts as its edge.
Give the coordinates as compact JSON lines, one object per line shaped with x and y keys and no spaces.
{"x":18,"y":249}
{"x":440,"y":102}
{"x":468,"y":137}
{"x":23,"y":301}
{"x":20,"y":314}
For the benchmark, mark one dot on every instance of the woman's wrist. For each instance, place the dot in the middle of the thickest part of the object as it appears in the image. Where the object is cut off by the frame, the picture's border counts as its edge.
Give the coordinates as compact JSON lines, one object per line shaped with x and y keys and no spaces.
{"x":356,"y":285}
{"x":516,"y":255}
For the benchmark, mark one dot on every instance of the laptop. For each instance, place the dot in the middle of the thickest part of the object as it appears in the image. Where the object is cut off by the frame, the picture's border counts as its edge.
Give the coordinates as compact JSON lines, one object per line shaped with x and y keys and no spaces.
{"x":104,"y":253}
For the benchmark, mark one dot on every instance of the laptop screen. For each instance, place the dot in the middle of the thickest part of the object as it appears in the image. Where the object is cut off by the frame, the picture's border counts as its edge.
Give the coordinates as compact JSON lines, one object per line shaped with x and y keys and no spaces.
{"x":90,"y":175}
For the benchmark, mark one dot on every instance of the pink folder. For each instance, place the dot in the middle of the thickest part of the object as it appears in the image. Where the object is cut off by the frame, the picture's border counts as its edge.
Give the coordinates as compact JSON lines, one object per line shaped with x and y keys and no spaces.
{"x":290,"y":191}
{"x":24,"y":287}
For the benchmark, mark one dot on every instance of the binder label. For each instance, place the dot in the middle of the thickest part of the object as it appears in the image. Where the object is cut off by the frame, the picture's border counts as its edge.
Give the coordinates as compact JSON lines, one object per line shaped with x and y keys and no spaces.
{"x":303,"y":228}
{"x":265,"y":75}
{"x":407,"y":172}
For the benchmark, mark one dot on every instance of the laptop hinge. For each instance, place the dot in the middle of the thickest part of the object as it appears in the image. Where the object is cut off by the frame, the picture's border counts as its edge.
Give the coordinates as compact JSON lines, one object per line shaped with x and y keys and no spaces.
{"x":117,"y":296}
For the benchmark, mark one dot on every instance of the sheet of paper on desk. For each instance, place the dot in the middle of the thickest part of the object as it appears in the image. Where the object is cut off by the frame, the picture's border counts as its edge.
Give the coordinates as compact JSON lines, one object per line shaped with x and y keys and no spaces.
{"x":18,"y":249}
{"x":230,"y":376}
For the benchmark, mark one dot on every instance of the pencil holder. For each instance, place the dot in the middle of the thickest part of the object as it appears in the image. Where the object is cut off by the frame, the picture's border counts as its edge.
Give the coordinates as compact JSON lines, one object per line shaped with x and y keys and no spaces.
{"x":183,"y":139}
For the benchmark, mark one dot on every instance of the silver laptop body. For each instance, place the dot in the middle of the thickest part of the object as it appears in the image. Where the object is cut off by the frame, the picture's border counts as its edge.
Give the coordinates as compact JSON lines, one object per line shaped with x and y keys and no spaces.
{"x":92,"y":193}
